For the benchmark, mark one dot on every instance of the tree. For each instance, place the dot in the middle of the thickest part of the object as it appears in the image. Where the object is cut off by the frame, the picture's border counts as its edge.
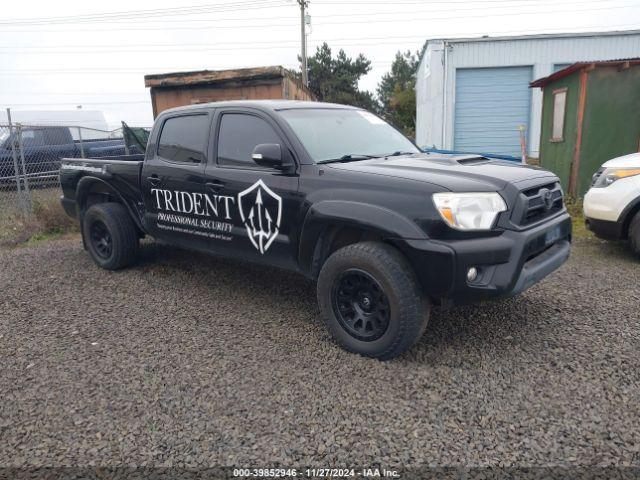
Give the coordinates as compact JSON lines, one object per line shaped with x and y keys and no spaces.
{"x":397,"y":93}
{"x":336,"y":79}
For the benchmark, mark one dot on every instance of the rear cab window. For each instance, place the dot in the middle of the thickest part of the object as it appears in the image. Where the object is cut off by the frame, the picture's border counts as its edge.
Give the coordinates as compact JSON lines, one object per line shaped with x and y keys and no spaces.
{"x":33,"y":138}
{"x":184,"y":139}
{"x":58,"y":136}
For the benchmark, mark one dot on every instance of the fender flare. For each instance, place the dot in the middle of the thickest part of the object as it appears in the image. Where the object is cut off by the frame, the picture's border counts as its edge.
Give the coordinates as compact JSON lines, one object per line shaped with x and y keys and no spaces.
{"x":627,"y":215}
{"x":82,"y":191}
{"x":363,"y":216}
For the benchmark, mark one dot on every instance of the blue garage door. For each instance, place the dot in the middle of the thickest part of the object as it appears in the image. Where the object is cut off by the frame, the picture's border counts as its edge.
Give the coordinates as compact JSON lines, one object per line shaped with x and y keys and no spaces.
{"x":491,"y":103}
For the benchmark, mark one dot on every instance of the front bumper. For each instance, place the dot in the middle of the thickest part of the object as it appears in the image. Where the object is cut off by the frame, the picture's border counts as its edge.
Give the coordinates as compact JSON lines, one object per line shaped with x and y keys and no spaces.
{"x":605,"y":229}
{"x":609,"y":203}
{"x":507,"y":264}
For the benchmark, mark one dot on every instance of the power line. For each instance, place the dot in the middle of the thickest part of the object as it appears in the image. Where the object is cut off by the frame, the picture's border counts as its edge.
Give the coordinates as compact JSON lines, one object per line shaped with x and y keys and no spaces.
{"x":73,"y":103}
{"x":196,"y":48}
{"x":416,"y":2}
{"x":251,"y":43}
{"x":411,"y":19}
{"x":527,"y":4}
{"x":225,"y":7}
{"x":136,"y":14}
{"x":128,"y":50}
{"x":106,"y":71}
{"x":111,"y":71}
{"x":464,"y":17}
{"x":385,"y":40}
{"x":77,"y":94}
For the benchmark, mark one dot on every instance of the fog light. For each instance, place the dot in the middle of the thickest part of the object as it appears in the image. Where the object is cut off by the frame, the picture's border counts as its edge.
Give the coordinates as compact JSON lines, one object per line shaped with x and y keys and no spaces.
{"x":472,"y":274}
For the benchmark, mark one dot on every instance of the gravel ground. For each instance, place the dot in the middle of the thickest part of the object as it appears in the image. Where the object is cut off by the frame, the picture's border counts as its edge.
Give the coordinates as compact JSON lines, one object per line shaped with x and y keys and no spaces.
{"x":188,"y":360}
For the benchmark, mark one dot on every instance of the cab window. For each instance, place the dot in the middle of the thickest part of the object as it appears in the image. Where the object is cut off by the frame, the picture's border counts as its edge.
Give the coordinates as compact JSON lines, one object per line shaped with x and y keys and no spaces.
{"x":239,"y":135}
{"x":184,"y":139}
{"x":33,"y":138}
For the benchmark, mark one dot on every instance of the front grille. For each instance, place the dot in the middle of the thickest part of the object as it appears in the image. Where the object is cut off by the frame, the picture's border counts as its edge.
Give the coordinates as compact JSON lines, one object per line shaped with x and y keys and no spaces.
{"x":539,"y":202}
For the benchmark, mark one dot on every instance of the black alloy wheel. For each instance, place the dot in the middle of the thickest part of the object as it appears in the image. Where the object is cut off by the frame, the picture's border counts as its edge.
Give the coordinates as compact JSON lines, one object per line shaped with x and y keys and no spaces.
{"x":110,"y":235}
{"x":101,"y":239}
{"x":360,"y":305}
{"x":370,"y":300}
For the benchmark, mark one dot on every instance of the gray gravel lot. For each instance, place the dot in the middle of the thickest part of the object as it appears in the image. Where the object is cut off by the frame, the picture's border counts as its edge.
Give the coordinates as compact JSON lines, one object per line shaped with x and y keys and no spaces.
{"x":189,"y":360}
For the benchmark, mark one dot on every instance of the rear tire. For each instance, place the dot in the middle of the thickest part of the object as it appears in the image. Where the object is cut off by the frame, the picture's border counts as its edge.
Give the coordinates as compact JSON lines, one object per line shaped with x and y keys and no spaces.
{"x":370,"y":300}
{"x":110,"y":235}
{"x":634,"y":234}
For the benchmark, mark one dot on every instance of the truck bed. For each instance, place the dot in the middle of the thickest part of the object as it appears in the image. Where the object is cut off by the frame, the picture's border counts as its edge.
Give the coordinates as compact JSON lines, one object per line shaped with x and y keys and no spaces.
{"x":120,"y":172}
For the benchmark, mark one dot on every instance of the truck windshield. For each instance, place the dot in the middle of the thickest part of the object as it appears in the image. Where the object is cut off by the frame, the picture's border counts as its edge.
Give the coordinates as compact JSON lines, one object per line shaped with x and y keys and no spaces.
{"x":345,"y":134}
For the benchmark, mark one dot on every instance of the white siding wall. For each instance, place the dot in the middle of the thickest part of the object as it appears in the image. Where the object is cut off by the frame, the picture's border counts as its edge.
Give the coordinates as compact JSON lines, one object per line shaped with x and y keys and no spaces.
{"x":435,"y":86}
{"x":430,"y":96}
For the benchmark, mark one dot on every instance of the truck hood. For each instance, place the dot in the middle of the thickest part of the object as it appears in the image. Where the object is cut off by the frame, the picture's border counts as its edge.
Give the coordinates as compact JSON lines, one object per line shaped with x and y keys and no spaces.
{"x":452,"y":172}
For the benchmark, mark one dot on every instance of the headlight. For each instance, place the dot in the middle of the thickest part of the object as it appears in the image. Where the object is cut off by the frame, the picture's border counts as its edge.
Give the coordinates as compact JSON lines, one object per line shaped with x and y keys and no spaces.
{"x":469,"y":211}
{"x":610,"y":175}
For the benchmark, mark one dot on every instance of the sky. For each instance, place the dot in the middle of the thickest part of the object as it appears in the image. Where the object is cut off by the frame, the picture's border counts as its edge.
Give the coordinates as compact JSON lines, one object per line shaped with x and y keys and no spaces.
{"x":58,"y":55}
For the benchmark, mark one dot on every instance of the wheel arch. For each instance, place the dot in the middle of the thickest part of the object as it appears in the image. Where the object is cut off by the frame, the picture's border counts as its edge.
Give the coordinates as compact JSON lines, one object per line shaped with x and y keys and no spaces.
{"x":627,"y":215}
{"x":93,"y":190}
{"x":330,"y":225}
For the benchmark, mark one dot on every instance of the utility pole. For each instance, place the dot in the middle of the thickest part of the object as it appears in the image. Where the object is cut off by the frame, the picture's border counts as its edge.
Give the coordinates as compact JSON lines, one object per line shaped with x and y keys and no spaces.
{"x":303,"y":41}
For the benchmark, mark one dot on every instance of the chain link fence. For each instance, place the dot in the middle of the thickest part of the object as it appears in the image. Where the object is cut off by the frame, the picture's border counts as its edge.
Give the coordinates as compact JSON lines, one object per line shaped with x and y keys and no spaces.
{"x":30,"y":160}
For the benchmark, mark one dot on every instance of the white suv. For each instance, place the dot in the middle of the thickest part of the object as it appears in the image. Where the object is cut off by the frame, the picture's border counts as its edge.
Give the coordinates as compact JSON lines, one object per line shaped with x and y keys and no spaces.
{"x":612,"y":204}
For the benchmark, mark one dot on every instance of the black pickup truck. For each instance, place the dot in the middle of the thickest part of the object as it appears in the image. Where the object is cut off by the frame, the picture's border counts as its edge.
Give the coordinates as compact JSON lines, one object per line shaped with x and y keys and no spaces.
{"x":336,"y":194}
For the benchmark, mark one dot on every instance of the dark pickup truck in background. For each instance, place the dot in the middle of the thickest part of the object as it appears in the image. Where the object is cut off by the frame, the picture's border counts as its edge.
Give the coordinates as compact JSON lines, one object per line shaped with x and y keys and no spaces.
{"x":336,"y":194}
{"x":43,"y":147}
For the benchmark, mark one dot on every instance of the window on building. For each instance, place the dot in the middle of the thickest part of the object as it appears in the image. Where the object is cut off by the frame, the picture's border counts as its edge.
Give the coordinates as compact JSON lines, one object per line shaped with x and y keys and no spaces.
{"x":559,"y":107}
{"x":184,"y":139}
{"x":239,"y":135}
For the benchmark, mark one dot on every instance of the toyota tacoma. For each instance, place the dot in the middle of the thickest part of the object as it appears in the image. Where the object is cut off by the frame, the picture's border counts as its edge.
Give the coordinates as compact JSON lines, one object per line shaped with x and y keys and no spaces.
{"x":334,"y":193}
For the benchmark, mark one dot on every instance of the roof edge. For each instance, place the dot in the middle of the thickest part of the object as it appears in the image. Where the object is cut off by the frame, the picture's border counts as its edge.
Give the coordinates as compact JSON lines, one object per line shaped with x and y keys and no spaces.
{"x":199,"y":77}
{"x":574,"y":67}
{"x":488,"y":38}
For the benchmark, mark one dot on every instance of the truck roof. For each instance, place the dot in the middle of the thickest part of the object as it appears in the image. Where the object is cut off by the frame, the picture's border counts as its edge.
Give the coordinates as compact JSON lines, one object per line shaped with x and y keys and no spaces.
{"x":264,"y":105}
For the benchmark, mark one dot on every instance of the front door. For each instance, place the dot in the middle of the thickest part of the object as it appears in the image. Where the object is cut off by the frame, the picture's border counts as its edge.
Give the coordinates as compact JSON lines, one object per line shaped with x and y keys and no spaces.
{"x":265,"y":201}
{"x":173,"y":178}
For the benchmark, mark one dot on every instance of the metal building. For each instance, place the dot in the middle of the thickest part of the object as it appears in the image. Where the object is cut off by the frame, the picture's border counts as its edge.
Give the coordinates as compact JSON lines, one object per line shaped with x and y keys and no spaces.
{"x":473,"y":94}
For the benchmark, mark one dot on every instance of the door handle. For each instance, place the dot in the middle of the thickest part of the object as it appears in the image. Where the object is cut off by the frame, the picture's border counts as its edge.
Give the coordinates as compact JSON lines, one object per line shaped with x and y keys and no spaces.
{"x":154,"y":180}
{"x":215,"y":185}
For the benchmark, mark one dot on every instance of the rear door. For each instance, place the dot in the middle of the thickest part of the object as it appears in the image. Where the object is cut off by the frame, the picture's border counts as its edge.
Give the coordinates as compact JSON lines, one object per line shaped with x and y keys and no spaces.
{"x":264,"y":202}
{"x":173,"y":177}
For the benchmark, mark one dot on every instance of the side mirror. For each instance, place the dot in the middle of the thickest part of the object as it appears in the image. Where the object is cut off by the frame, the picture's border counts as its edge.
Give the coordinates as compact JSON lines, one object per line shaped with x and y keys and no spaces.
{"x":268,"y":155}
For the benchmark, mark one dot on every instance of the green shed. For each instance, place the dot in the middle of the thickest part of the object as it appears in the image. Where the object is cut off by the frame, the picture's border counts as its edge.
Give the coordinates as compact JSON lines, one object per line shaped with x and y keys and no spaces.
{"x":590,"y":114}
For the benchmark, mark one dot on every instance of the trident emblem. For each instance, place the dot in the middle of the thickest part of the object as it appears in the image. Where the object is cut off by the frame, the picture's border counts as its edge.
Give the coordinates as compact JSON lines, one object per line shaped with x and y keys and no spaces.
{"x":261,"y":212}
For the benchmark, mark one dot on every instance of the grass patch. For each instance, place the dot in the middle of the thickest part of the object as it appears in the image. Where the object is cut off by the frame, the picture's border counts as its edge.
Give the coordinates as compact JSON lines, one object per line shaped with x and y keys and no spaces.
{"x":47,"y":220}
{"x":574,"y":207}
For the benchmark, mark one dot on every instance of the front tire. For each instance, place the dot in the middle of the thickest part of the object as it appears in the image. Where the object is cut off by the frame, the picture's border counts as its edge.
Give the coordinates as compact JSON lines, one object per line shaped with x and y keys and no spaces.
{"x":634,"y":234}
{"x":110,"y":235}
{"x":370,"y":300}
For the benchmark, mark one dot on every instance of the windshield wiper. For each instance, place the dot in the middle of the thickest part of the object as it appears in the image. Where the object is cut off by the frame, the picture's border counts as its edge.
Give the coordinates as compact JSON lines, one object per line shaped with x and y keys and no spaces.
{"x":351,"y":157}
{"x":398,"y":153}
